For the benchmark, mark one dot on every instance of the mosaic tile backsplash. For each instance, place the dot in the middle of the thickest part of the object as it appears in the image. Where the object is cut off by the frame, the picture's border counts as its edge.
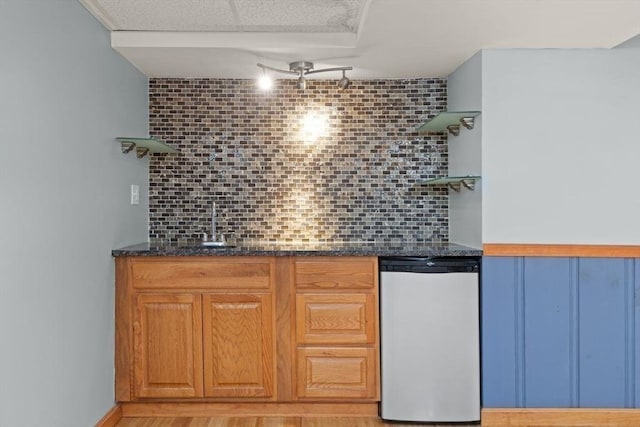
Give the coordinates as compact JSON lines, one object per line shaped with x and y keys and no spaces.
{"x":294,"y":166}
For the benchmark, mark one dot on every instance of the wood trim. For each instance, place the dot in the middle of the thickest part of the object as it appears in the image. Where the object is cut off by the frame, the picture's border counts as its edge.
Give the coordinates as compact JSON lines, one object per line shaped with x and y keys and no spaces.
{"x":111,"y":418}
{"x":560,"y":417}
{"x":586,"y":251}
{"x":376,"y":319}
{"x":249,"y":409}
{"x":293,"y":353}
{"x":123,"y":337}
{"x":284,"y":357}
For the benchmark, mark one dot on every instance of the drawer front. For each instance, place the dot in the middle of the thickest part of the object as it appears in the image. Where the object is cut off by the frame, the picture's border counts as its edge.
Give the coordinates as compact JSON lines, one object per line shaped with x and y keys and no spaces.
{"x":335,"y":318}
{"x":206,"y":273}
{"x":336,"y":273}
{"x":336,"y":373}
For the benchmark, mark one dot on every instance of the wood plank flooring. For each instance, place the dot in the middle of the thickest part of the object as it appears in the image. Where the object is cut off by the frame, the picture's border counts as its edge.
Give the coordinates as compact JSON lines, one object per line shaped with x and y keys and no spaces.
{"x":267,"y":422}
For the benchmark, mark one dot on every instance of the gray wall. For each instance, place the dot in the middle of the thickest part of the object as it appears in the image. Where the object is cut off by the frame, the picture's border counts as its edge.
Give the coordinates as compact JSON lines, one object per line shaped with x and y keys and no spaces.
{"x":633,"y":42}
{"x":64,"y":95}
{"x":560,"y":146}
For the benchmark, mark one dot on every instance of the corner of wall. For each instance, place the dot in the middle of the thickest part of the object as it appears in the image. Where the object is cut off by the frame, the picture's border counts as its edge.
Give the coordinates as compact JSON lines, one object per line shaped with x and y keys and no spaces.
{"x":464,"y":92}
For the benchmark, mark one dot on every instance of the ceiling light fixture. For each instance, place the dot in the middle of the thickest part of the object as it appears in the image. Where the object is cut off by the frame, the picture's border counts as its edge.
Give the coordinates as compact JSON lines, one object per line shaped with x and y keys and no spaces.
{"x":304,"y":68}
{"x":302,"y":83}
{"x":344,"y":82}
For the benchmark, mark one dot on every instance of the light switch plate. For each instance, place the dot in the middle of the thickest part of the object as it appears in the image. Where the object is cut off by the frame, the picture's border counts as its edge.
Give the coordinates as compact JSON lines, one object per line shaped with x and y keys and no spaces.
{"x":135,"y":194}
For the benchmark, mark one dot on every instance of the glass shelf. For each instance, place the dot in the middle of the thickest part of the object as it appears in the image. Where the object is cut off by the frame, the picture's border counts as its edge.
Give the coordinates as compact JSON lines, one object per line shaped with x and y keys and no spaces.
{"x":454,"y":182}
{"x":449,"y":121}
{"x":144,"y":146}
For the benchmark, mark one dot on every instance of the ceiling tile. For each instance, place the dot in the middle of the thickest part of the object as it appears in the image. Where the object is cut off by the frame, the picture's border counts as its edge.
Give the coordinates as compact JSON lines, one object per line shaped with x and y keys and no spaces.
{"x":230,"y":15}
{"x":300,"y":15}
{"x":156,"y":15}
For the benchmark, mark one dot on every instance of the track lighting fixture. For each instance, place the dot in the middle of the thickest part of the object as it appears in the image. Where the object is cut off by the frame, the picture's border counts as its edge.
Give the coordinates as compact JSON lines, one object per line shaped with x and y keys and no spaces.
{"x":302,"y":83}
{"x":303,"y":69}
{"x":344,"y":82}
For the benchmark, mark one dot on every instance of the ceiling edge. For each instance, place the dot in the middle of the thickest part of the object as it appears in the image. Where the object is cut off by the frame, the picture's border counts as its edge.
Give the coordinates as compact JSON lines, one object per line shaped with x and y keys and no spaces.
{"x":248,"y":40}
{"x":100,"y":14}
{"x":364,"y":11}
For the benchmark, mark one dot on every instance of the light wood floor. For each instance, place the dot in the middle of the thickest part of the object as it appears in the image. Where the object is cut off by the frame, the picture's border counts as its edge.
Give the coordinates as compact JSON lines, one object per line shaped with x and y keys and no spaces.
{"x":267,"y":422}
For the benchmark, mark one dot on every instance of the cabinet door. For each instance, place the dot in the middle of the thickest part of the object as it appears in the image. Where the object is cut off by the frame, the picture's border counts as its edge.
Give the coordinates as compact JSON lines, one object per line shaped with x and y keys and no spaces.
{"x":335,"y":318}
{"x":168,"y":346}
{"x":337,"y":373}
{"x":238,"y":345}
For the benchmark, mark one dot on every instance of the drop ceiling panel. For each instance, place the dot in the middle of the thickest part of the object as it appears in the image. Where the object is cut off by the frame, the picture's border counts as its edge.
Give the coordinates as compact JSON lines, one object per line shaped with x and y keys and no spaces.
{"x":300,"y":15}
{"x":230,"y":15}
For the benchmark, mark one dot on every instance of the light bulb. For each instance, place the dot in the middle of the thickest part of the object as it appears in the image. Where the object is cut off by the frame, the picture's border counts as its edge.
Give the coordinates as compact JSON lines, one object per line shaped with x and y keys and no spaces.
{"x":265,"y":82}
{"x":302,"y":83}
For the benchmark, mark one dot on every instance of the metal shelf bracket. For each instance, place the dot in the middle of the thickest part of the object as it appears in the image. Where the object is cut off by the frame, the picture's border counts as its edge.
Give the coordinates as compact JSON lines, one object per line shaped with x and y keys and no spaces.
{"x":468,"y":184}
{"x":467,"y":122}
{"x":455,"y":187}
{"x":454,"y":129}
{"x":127,"y":146}
{"x":141,"y":152}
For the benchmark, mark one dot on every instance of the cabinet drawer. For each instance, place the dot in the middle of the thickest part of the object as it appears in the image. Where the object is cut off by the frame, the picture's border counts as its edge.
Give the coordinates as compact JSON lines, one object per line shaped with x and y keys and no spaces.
{"x":207,"y":273}
{"x":336,"y":373}
{"x":336,"y":273}
{"x":335,"y":318}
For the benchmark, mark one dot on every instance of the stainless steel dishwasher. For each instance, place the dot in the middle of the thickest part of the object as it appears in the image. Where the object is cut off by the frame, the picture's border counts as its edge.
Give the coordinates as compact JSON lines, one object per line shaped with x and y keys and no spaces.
{"x":430,"y":339}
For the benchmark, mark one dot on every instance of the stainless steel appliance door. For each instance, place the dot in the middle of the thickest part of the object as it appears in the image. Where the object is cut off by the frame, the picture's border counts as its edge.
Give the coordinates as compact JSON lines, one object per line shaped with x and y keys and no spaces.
{"x":430,"y":346}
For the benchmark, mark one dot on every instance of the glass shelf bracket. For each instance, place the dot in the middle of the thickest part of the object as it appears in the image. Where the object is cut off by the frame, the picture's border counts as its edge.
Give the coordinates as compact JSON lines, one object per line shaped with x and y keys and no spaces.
{"x":144,"y":146}
{"x":454,"y":182}
{"x":449,"y":121}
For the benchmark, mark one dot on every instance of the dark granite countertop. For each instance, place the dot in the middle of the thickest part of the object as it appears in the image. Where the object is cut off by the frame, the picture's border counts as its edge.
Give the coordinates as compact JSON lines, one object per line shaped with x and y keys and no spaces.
{"x":421,"y":249}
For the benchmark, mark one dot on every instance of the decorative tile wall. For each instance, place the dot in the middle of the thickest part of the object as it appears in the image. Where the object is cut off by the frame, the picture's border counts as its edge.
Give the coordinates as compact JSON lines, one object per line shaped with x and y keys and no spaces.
{"x":291,"y":165}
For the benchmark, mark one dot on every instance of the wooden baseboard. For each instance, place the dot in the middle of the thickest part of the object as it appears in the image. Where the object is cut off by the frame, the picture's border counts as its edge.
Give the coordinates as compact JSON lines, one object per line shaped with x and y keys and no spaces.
{"x":560,"y":417}
{"x":111,"y":418}
{"x":586,"y":251}
{"x":202,"y":409}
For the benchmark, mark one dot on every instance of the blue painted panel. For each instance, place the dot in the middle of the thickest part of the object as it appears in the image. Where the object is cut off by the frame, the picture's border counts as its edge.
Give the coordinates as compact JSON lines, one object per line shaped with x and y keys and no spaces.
{"x":549,"y":331}
{"x":498,"y":294}
{"x":636,"y":347}
{"x":602,"y":332}
{"x":560,"y":332}
{"x":630,"y":339}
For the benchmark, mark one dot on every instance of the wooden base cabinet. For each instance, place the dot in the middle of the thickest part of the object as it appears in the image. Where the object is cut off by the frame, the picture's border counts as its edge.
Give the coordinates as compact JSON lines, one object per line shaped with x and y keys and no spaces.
{"x":195,"y":328}
{"x":337,"y":328}
{"x":247,"y":329}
